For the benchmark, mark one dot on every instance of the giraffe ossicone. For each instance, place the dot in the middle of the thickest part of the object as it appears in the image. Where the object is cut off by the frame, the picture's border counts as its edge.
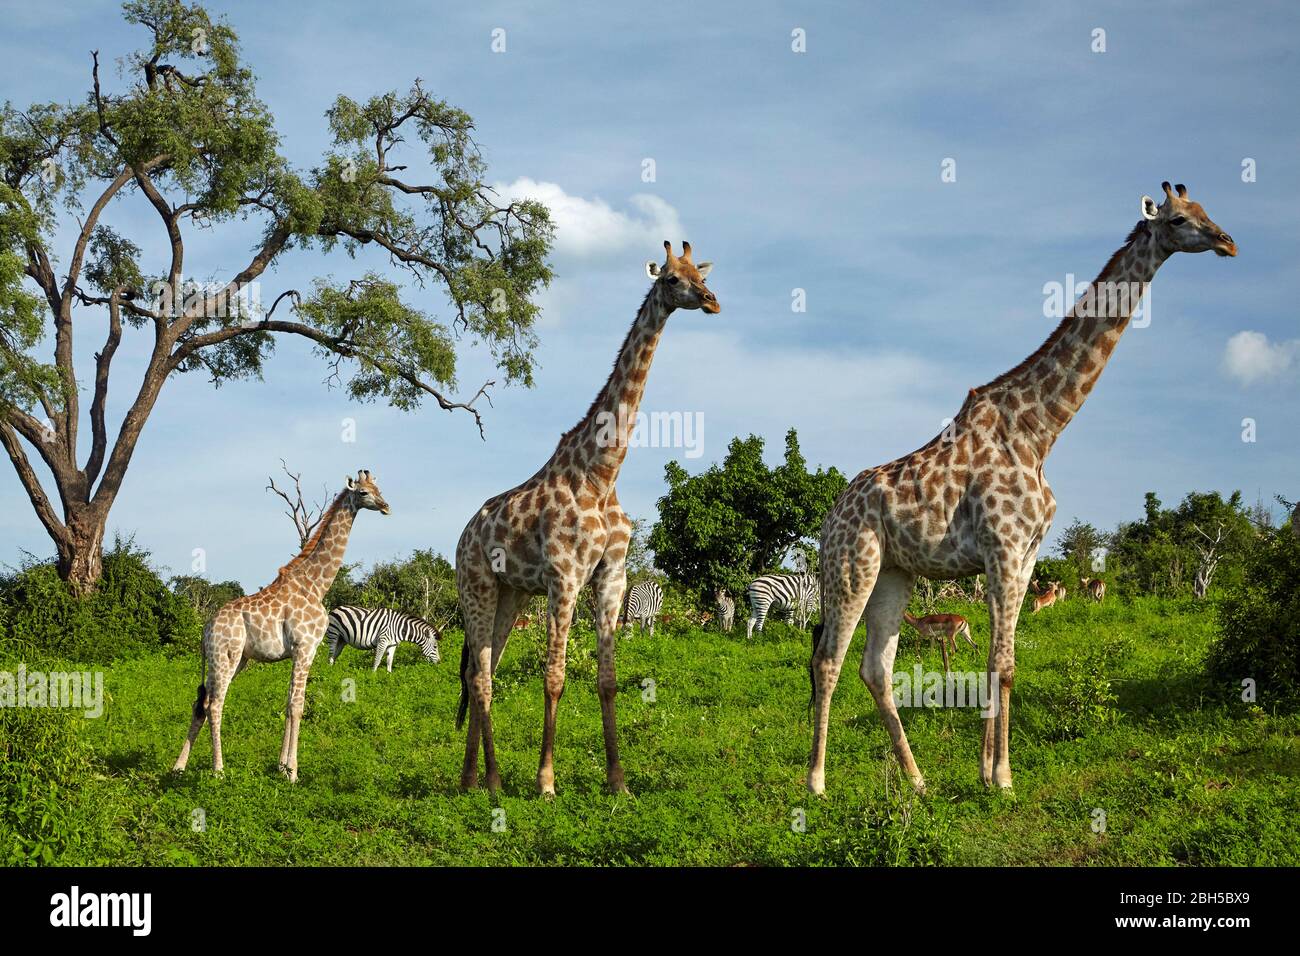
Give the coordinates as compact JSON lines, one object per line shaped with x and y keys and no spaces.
{"x":559,"y":530}
{"x":975,"y":501}
{"x":286,"y":619}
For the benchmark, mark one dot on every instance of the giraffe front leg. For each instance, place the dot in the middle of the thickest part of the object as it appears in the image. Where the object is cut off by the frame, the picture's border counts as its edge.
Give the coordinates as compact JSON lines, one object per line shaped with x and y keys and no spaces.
{"x":304,"y":654}
{"x":560,"y":601}
{"x":1006,"y":592}
{"x":609,"y":583}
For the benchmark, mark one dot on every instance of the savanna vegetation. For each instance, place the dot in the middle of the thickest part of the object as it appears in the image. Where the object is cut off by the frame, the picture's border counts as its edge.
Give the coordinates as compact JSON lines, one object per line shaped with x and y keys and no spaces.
{"x":1149,"y":730}
{"x":1126,"y":753}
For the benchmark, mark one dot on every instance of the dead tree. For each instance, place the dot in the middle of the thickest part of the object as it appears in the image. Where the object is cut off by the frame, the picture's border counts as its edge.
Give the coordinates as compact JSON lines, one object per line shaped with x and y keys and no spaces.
{"x":305,"y":517}
{"x":1210,"y":556}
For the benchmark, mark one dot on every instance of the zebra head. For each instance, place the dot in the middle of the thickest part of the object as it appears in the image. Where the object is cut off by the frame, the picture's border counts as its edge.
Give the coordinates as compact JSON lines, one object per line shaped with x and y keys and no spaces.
{"x":429,"y":644}
{"x":682,"y":280}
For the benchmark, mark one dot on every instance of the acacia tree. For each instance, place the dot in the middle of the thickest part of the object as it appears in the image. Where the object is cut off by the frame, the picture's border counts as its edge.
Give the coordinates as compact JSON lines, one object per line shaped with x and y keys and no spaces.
{"x":740,"y":519}
{"x":186,"y":134}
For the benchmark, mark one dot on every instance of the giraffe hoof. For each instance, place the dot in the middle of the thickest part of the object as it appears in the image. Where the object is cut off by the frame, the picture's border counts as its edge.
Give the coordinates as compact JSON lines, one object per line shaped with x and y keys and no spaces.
{"x":817,"y":784}
{"x":493,"y":782}
{"x":614,"y":782}
{"x":468,"y":782}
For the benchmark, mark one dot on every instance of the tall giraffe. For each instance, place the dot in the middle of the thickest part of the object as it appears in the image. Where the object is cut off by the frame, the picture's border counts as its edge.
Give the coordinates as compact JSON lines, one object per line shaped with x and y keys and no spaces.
{"x":558,"y":530}
{"x":974,"y":499}
{"x":284,"y":619}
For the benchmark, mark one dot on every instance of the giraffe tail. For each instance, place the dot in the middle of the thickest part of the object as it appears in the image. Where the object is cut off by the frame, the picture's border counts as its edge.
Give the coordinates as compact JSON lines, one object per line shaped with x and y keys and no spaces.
{"x":201,"y":700}
{"x":812,"y":677}
{"x":463,"y":706}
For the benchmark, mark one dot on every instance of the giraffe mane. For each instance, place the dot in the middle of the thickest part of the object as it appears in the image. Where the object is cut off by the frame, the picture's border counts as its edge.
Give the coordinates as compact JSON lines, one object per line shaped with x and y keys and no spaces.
{"x":325,"y":520}
{"x":1141,"y":231}
{"x":595,"y":402}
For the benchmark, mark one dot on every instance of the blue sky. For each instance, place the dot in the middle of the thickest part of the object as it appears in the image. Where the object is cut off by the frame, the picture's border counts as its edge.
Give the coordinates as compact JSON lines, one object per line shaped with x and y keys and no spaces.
{"x":817,"y":171}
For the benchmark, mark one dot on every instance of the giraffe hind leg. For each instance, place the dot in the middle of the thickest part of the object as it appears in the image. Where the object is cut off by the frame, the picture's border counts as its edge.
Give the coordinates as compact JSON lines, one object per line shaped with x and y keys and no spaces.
{"x":889,"y":597}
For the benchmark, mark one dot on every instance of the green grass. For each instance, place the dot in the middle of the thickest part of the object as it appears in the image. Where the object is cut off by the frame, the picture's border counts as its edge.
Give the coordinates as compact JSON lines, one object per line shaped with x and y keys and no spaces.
{"x":716,"y":761}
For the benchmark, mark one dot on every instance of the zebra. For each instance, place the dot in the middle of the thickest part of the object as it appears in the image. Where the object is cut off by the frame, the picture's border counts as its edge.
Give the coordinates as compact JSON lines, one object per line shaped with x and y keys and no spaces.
{"x":798,"y":594}
{"x":642,"y":605}
{"x":726,"y":610}
{"x":380,"y":629}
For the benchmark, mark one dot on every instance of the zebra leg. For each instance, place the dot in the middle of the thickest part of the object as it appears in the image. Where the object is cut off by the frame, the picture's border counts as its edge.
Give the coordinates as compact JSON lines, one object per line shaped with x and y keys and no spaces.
{"x":392,"y":650}
{"x":381,"y":647}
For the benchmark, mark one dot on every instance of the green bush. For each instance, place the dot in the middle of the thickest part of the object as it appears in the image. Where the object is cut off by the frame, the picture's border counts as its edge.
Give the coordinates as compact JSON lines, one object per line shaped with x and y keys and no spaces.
{"x":1083,"y":702}
{"x":44,"y":761}
{"x":131,"y":611}
{"x":1259,"y":623}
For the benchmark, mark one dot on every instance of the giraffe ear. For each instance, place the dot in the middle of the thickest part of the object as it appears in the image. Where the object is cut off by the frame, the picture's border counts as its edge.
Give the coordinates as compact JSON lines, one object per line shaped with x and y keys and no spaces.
{"x":704,"y":268}
{"x":351,"y":484}
{"x":652,"y":269}
{"x":1149,"y":208}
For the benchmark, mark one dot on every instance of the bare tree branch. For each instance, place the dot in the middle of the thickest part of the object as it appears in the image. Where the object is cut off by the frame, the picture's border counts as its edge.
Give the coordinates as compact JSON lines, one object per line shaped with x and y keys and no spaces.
{"x":305,"y":517}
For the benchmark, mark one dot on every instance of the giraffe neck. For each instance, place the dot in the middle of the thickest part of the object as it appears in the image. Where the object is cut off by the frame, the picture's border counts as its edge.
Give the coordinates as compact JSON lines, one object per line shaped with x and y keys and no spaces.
{"x":597,"y":445}
{"x":1042,"y":395}
{"x":315,"y":568}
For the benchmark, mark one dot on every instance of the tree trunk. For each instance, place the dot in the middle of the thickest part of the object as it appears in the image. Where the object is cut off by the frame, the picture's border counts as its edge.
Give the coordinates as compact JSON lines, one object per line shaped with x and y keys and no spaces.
{"x":81,"y":557}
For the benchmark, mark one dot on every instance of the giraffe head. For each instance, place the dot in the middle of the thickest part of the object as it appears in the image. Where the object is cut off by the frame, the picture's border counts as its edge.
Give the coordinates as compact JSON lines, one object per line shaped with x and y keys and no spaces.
{"x":683,"y":280}
{"x":1181,"y":225}
{"x":366,"y":494}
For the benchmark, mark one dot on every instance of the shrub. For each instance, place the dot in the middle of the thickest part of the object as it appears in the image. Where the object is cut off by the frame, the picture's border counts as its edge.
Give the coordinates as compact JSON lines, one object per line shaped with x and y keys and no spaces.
{"x":1259,"y":623}
{"x":131,"y":610}
{"x":43,"y":763}
{"x":1083,"y":700}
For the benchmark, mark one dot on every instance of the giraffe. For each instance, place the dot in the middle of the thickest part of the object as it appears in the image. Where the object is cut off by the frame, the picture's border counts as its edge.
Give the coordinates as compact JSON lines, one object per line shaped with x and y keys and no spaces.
{"x":974,"y":499}
{"x":558,"y":530}
{"x":284,"y":619}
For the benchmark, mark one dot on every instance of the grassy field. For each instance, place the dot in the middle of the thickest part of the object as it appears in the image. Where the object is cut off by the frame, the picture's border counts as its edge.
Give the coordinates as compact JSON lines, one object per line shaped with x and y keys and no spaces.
{"x":1110,"y":716}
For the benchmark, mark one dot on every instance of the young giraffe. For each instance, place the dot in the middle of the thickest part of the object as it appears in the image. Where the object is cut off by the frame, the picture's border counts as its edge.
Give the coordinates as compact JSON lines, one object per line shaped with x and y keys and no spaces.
{"x":284,"y":619}
{"x":558,"y":530}
{"x":974,"y":499}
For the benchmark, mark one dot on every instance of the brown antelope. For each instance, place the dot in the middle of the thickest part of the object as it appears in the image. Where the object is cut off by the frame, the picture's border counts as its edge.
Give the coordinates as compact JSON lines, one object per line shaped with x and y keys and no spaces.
{"x":1095,"y":587}
{"x":1044,"y":597}
{"x":945,"y":627}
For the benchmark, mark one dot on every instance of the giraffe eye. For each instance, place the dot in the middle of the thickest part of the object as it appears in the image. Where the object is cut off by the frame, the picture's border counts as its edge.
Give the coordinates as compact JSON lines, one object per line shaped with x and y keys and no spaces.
{"x":672,"y":280}
{"x":1177,"y":220}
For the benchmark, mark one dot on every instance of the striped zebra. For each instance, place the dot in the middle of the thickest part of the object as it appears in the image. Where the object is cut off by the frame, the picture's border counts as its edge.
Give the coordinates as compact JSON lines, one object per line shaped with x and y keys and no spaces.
{"x":726,"y":610}
{"x":797,"y":594}
{"x":642,"y":605}
{"x":380,"y":629}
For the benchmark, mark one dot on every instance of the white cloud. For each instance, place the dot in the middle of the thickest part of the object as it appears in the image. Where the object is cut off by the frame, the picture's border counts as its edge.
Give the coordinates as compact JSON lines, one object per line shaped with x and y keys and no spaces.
{"x":1250,"y":357}
{"x":589,"y":228}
